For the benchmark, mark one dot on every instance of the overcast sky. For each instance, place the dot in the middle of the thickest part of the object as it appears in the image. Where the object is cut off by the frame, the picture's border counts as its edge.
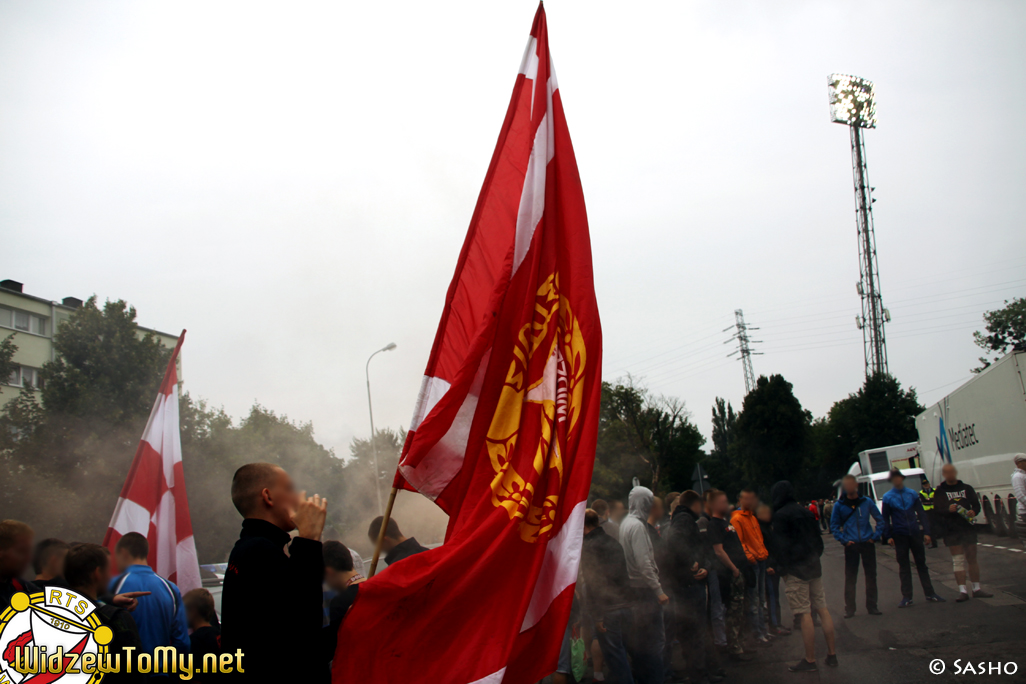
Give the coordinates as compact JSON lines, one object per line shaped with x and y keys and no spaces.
{"x":292,"y":182}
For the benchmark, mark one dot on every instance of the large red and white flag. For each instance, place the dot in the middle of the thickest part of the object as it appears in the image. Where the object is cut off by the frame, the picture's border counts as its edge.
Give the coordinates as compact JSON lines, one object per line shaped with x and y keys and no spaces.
{"x":503,"y":434}
{"x":153,"y":501}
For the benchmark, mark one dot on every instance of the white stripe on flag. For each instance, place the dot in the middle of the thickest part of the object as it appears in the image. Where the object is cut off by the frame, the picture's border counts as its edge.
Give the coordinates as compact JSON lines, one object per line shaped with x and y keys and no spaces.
{"x":154,"y":432}
{"x":172,"y":451}
{"x":167,"y":540}
{"x":431,"y":392}
{"x":559,"y":568}
{"x":445,"y":459}
{"x":130,"y":517}
{"x":532,"y":198}
{"x":493,"y":678}
{"x":187,"y":577}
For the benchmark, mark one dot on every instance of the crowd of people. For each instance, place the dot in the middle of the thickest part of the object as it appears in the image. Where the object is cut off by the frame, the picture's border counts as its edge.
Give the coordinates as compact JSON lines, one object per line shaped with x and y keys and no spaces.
{"x":690,"y":571}
{"x":707,"y":575}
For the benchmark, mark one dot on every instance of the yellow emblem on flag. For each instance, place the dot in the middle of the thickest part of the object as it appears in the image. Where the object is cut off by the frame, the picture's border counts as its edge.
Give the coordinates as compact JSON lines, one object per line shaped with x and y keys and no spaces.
{"x":539,"y":406}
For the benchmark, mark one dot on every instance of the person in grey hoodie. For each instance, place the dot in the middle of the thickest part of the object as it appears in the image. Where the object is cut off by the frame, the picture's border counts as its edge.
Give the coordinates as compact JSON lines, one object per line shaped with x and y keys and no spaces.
{"x":648,"y":595}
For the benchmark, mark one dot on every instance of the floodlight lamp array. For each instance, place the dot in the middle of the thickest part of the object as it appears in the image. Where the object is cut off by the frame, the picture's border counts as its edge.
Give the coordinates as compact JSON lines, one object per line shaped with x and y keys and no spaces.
{"x":852,"y":101}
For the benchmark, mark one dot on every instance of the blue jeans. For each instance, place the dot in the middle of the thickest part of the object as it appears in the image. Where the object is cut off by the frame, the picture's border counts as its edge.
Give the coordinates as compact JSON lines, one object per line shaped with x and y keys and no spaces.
{"x":614,"y":650}
{"x":756,"y":594}
{"x":648,"y":640}
{"x":773,"y":598}
{"x":717,"y":611}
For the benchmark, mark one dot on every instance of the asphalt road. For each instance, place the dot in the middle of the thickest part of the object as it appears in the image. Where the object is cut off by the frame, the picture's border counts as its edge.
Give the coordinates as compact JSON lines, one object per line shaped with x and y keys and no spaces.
{"x":900,"y":645}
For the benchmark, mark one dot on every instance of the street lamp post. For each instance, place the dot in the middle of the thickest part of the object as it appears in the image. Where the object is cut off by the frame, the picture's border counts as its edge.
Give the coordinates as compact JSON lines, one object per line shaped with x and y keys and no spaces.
{"x":370,"y":409}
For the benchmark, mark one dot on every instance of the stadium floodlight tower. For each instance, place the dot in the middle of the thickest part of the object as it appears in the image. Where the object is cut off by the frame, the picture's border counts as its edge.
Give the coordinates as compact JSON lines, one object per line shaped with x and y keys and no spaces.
{"x":853,"y":103}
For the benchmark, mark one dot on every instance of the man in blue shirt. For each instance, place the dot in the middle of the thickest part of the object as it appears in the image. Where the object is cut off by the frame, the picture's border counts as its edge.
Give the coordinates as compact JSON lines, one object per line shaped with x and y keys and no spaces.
{"x":159,"y":616}
{"x":851,"y":526}
{"x":902,"y":515}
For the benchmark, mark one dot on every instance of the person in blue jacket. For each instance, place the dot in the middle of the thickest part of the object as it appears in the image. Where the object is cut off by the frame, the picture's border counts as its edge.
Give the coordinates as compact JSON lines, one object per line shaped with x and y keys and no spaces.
{"x":902,"y":515}
{"x":160,"y":615}
{"x":850,"y":524}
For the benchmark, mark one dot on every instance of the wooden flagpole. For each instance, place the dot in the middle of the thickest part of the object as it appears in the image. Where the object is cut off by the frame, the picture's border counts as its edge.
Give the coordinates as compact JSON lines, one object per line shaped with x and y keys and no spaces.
{"x":381,"y":532}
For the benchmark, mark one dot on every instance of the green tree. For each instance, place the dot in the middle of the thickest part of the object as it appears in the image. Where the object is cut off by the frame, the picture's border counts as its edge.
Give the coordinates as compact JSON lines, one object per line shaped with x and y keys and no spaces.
{"x":772,"y":434}
{"x":7,"y":364}
{"x":678,"y":443}
{"x":104,"y":369}
{"x":1006,"y":331}
{"x":20,"y":420}
{"x":721,"y":465}
{"x":213,"y":448}
{"x":724,"y":422}
{"x":879,"y":414}
{"x":71,"y":443}
{"x":651,"y":438}
{"x":361,"y":486}
{"x":63,"y":460}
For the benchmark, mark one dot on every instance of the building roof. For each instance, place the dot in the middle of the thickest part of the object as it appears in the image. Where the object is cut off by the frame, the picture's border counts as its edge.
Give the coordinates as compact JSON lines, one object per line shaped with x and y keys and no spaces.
{"x":13,"y":287}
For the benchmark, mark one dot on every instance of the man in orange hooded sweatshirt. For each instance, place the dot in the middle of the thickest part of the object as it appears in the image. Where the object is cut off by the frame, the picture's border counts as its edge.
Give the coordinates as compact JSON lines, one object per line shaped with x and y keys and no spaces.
{"x":748,"y":530}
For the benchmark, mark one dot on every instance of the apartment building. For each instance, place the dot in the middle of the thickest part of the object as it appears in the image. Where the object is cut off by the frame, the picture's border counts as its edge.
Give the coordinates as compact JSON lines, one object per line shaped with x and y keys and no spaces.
{"x":34,"y":320}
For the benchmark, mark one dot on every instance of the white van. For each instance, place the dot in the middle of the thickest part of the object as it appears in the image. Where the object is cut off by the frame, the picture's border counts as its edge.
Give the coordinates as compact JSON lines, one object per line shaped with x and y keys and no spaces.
{"x":874,"y":485}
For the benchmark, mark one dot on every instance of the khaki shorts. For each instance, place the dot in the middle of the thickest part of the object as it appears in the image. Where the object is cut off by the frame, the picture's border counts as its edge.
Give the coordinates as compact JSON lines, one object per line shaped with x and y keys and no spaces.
{"x":804,"y":595}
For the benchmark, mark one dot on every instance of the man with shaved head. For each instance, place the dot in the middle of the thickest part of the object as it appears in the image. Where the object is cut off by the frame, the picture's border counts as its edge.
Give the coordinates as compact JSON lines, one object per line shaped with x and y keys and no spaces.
{"x":956,"y":510}
{"x":271,"y":601}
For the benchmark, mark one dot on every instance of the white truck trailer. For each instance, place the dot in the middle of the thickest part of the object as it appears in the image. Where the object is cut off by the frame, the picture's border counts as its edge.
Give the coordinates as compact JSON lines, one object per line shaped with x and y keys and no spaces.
{"x":979,"y":427}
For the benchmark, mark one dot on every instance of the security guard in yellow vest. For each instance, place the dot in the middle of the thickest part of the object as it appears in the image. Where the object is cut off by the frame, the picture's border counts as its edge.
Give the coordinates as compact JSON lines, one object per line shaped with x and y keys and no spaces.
{"x":926,"y":498}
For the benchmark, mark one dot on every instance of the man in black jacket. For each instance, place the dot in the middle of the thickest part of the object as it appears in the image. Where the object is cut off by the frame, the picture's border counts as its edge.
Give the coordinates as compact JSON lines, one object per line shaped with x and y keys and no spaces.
{"x":272,"y":600}
{"x":689,"y":567}
{"x":607,"y":594}
{"x":87,"y":571}
{"x":798,"y":546}
{"x":956,"y":508}
{"x":395,"y":545}
{"x":764,"y":513}
{"x":730,"y":558}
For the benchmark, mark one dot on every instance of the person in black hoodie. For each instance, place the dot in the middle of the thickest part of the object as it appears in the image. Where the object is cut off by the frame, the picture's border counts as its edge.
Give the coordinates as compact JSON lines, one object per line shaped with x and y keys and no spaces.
{"x":205,"y":631}
{"x":271,"y":604}
{"x":957,"y":506}
{"x":607,"y":594}
{"x":764,"y":513}
{"x":798,"y":546}
{"x":87,"y":571}
{"x":688,"y":567}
